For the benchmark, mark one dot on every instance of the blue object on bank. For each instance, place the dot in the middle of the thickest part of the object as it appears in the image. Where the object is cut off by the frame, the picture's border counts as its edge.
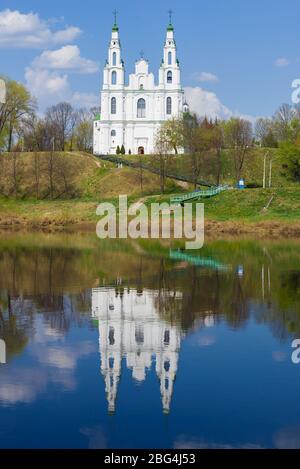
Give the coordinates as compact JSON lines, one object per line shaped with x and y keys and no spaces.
{"x":241,"y":184}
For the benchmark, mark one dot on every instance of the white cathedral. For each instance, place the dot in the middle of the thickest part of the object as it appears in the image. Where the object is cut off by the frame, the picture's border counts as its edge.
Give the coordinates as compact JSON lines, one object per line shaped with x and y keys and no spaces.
{"x":132,"y":114}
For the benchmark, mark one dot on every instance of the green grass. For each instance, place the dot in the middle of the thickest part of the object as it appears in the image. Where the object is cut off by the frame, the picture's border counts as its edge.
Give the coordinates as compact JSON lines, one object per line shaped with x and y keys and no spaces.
{"x":233,"y":205}
{"x":248,"y":204}
{"x":95,"y":181}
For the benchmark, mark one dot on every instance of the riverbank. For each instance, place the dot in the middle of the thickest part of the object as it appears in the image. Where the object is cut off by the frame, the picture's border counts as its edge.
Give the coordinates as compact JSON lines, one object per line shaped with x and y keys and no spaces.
{"x":259,"y":212}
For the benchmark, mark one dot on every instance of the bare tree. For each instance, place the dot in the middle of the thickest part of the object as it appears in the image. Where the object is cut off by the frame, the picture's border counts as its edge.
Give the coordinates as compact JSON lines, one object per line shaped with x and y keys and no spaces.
{"x":37,"y":173}
{"x":51,"y":172}
{"x":63,"y":119}
{"x":141,"y":173}
{"x":282,"y":120}
{"x":83,"y":132}
{"x":162,"y":154}
{"x":238,"y":138}
{"x":15,"y":173}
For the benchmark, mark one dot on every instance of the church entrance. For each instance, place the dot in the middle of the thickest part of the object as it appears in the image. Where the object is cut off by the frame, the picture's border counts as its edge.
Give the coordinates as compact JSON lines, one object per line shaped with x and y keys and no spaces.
{"x":141,"y":151}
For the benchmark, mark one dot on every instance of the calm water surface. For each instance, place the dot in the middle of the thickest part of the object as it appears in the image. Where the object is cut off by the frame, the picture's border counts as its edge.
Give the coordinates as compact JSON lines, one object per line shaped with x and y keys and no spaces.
{"x":115,"y":345}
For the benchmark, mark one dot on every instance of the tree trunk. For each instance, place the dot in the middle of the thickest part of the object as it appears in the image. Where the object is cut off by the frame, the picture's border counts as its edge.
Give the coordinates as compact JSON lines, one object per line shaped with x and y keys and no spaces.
{"x":219,"y":166}
{"x":10,"y":137}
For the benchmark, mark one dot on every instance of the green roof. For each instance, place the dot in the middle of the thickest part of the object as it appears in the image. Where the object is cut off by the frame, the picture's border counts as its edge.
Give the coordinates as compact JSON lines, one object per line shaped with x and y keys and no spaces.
{"x":170,"y":27}
{"x":115,"y":28}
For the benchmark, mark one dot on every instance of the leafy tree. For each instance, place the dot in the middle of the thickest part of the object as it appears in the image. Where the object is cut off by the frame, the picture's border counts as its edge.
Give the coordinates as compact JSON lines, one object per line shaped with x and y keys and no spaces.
{"x":172,"y":132}
{"x":19,"y":105}
{"x":122,"y":151}
{"x":290,"y":159}
{"x":118,"y":151}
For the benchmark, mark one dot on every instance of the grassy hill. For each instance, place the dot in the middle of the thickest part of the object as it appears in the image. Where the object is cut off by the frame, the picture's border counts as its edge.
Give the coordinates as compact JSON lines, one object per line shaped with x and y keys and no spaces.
{"x":253,"y":168}
{"x":81,"y":181}
{"x":234,"y":211}
{"x":68,"y":175}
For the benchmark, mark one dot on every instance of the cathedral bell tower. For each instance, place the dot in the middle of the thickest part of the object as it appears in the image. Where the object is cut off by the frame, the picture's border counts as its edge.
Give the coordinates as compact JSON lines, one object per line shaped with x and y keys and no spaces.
{"x":169,"y":72}
{"x":114,"y":72}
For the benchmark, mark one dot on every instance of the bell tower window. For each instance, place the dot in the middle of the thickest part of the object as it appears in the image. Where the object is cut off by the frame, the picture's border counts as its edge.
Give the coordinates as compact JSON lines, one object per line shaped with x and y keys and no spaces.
{"x":114,"y":58}
{"x":169,"y":105}
{"x":114,"y":78}
{"x":169,"y":77}
{"x":113,"y":106}
{"x":141,"y":108}
{"x":170,"y":58}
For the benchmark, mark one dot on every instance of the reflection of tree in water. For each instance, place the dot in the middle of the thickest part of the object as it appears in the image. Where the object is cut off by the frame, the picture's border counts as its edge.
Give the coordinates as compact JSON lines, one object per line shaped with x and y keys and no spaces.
{"x":283,"y":313}
{"x":33,"y":282}
{"x":56,"y":282}
{"x":15,"y":327}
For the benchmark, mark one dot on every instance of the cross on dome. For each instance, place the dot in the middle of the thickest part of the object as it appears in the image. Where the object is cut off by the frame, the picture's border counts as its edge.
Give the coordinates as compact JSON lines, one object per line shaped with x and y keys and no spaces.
{"x":115,"y":26}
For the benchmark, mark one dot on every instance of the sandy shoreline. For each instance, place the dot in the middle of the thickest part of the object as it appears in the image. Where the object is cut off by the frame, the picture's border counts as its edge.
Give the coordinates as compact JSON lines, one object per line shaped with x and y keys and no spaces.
{"x":261,"y":229}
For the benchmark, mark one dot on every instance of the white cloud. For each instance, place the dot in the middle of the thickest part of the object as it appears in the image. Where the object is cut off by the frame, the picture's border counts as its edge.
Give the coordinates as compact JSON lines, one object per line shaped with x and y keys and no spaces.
{"x":28,"y":30}
{"x":206,"y":341}
{"x":48,"y":87}
{"x":85,"y":100}
{"x":206,"y":103}
{"x":282,"y":62}
{"x":66,"y":35}
{"x":65,"y":357}
{"x":48,"y":77}
{"x":51,"y":87}
{"x":205,"y":77}
{"x":66,"y":58}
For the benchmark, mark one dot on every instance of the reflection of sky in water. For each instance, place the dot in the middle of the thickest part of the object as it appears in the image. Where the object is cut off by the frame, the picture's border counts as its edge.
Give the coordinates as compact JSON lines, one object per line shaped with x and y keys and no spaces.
{"x":190,"y":359}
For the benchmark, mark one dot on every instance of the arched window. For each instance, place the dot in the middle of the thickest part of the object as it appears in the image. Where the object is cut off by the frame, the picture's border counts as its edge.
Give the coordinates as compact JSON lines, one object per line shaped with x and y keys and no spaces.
{"x":114,"y":58}
{"x":113,"y":133}
{"x":169,"y":105}
{"x":169,"y":77}
{"x":169,"y":58}
{"x":111,"y":362}
{"x":114,"y":78}
{"x":111,"y":336}
{"x":141,"y":108}
{"x":113,"y":106}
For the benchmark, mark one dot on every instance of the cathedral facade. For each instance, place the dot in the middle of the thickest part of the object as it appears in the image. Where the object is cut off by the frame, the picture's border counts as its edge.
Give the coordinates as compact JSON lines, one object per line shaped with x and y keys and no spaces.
{"x":131,"y":114}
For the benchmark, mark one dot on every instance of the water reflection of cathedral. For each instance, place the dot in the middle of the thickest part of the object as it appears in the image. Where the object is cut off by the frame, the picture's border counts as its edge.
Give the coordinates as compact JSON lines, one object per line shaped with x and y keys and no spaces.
{"x":130,"y":327}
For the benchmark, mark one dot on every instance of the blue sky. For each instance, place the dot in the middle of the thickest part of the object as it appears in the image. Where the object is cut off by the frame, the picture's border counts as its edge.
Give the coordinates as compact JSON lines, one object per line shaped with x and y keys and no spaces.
{"x":236,"y":56}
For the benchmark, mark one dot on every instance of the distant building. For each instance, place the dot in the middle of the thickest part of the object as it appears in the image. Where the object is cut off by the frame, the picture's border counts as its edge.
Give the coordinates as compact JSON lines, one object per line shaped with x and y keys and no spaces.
{"x":132,"y":114}
{"x":130,"y":327}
